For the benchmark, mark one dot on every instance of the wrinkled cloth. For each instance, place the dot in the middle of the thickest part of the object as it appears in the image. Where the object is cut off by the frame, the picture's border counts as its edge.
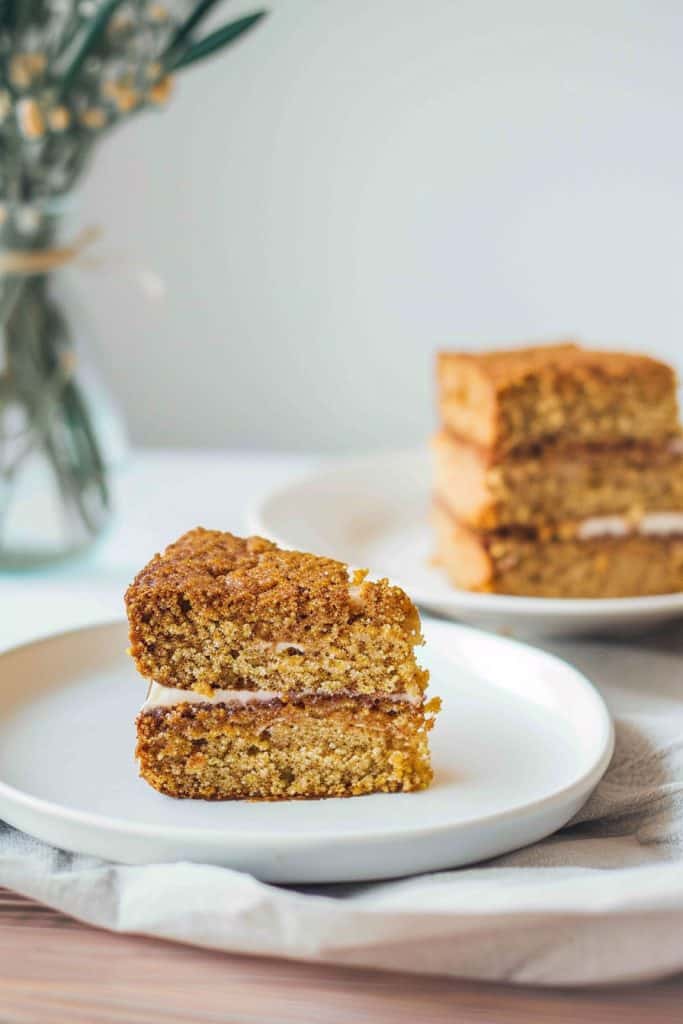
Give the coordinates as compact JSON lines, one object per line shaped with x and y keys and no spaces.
{"x":600,"y":901}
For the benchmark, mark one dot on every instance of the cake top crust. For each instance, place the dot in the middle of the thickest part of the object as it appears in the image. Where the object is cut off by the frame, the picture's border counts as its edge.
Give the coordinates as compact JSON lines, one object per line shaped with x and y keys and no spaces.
{"x":252,"y":580}
{"x":505,"y":367}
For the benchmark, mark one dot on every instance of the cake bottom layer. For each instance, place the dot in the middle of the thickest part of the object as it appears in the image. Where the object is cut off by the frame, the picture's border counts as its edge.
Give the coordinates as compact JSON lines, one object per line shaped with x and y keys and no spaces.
{"x":322,"y":747}
{"x":514,"y":563}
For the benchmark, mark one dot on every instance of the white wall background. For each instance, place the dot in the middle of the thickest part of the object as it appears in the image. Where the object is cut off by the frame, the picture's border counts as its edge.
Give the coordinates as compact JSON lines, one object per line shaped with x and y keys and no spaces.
{"x":362,"y":181}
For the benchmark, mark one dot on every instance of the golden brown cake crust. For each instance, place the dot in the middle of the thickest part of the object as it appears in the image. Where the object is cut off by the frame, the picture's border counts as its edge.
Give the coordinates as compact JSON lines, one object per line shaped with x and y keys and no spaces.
{"x":510,"y":399}
{"x":505,"y":367}
{"x":216,"y":610}
{"x":253,"y":580}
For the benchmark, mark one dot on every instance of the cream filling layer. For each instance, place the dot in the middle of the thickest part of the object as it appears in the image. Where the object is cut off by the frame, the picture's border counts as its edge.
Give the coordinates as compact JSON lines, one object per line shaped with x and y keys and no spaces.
{"x":284,"y":645}
{"x":654,"y":524}
{"x":159,"y":696}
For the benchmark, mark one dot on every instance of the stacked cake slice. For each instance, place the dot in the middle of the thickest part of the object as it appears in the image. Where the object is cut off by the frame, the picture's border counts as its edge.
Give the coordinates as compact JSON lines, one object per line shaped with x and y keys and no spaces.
{"x":275,"y":674}
{"x":559,"y":472}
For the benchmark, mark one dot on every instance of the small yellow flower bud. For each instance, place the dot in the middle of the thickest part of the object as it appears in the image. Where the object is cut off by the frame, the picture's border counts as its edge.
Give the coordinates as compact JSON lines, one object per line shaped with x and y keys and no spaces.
{"x":125,"y":97}
{"x":30,"y":119}
{"x":58,"y":119}
{"x":160,"y":92}
{"x":93,"y":117}
{"x":25,"y":67}
{"x":127,"y":100}
{"x":19,"y":72}
{"x":37,"y":63}
{"x":157,"y":12}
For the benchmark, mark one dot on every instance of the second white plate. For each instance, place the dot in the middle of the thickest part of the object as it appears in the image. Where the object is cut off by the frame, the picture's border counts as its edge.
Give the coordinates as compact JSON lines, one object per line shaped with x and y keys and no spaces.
{"x":521,"y":742}
{"x":373,"y":512}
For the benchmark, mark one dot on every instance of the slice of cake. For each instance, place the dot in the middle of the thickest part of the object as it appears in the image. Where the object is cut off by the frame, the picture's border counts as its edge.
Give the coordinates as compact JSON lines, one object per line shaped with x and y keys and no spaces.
{"x":275,"y":674}
{"x":559,"y":473}
{"x":516,"y":398}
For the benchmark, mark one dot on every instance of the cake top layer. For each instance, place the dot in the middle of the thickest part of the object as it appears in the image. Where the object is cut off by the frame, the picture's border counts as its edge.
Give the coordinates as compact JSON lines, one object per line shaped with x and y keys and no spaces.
{"x":281,"y":594}
{"x":513,"y":398}
{"x":504,"y":367}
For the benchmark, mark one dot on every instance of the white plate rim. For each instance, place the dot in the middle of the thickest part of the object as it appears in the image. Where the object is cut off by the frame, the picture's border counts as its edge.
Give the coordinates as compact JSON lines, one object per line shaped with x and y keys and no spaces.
{"x":548,"y":607}
{"x":244,"y":839}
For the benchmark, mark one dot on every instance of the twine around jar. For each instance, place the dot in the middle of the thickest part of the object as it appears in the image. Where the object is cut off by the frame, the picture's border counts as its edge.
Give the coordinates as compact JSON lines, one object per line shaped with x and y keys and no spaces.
{"x":18,"y":263}
{"x":27,"y":262}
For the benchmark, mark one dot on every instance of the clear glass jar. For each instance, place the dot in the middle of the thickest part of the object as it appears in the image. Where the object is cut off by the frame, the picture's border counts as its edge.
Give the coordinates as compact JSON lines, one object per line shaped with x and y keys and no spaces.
{"x":54,"y":487}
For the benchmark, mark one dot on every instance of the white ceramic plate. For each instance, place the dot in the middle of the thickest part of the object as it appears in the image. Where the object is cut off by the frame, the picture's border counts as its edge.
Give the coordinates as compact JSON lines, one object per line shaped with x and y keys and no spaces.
{"x":373,"y":512}
{"x":521,"y":742}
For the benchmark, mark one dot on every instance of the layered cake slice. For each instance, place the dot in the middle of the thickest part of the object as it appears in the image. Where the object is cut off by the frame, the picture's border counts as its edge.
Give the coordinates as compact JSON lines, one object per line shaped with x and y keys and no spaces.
{"x":559,"y":473}
{"x":275,"y":674}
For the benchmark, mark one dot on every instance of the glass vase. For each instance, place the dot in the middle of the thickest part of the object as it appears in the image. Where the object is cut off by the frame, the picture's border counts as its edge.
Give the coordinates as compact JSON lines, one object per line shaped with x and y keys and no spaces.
{"x":54,"y":488}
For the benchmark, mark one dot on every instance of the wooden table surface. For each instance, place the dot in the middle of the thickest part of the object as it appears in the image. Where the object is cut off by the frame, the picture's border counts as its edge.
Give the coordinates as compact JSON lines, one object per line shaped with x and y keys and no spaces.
{"x":54,"y":970}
